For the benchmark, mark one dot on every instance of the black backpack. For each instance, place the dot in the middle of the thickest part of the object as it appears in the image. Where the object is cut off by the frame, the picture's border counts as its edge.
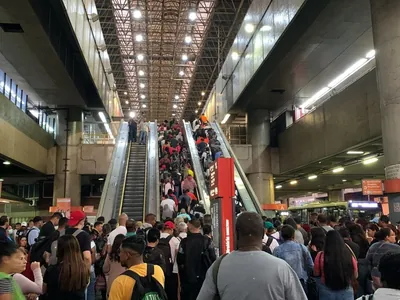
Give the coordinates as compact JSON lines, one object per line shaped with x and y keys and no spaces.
{"x":37,"y":249}
{"x":266,"y":247}
{"x":164,"y":246}
{"x":146,"y":288}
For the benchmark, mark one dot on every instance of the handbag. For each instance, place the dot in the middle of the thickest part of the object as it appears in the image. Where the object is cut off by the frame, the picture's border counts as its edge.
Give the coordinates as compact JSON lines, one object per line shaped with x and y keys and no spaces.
{"x":311,"y":283}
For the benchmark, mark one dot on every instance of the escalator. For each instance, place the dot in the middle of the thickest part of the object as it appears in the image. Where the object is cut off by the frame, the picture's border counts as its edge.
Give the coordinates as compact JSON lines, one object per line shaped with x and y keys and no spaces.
{"x":134,"y":191}
{"x":243,"y":188}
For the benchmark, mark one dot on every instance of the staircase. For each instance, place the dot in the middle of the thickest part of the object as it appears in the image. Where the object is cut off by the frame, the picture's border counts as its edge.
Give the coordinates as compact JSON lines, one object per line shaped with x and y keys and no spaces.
{"x":134,"y":193}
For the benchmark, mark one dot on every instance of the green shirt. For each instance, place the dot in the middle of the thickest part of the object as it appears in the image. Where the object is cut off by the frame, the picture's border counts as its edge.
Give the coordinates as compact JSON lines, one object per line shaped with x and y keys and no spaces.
{"x":16,"y":290}
{"x":129,"y":234}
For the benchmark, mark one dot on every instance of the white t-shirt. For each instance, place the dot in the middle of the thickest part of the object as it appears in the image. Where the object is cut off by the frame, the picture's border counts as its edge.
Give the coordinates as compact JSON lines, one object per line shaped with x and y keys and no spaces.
{"x":273,"y":245}
{"x":174,"y":245}
{"x":168,"y":213}
{"x":114,"y":233}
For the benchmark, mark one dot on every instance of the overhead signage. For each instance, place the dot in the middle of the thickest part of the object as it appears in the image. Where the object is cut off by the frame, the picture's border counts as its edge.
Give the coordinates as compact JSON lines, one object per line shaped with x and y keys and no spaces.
{"x":372,"y":187}
{"x":274,"y":206}
{"x":392,"y":172}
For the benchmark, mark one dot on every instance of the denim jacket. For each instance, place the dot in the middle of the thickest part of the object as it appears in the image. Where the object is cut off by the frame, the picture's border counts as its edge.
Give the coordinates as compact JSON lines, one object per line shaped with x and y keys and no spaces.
{"x":297,"y":256}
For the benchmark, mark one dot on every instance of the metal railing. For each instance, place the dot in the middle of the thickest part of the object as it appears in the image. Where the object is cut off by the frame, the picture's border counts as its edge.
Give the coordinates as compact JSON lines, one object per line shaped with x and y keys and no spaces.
{"x":153,"y":172}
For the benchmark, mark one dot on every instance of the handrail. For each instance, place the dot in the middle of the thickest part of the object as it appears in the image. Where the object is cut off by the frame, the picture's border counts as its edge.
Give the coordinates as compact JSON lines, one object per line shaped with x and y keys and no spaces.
{"x":126,"y":173}
{"x":239,"y":173}
{"x":198,"y":170}
{"x":145,"y":176}
{"x":153,"y":175}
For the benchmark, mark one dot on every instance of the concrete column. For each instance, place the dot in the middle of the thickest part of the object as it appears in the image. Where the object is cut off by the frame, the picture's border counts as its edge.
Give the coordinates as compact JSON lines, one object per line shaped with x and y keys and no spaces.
{"x":386,"y":33}
{"x":260,"y":175}
{"x":67,"y":181}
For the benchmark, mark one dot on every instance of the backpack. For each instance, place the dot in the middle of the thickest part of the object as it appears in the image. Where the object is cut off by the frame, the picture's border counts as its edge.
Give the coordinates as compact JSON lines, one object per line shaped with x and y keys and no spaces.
{"x":37,"y":250}
{"x":154,"y":256}
{"x":27,"y":237}
{"x":146,"y":288}
{"x":215,"y":275}
{"x":164,"y":246}
{"x":266,"y":247}
{"x":53,"y":255}
{"x":205,"y":255}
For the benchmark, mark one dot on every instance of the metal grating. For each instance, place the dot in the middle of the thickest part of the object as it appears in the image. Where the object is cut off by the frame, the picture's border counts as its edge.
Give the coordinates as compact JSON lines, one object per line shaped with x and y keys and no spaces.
{"x":163,"y":75}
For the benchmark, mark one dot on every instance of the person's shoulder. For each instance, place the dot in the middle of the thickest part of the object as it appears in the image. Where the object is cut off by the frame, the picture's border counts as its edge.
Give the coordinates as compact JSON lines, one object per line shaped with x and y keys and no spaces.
{"x":159,"y":275}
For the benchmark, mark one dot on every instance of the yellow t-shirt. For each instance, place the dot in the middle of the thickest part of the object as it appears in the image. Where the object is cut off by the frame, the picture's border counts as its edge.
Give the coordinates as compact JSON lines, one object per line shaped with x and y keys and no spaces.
{"x":190,"y":172}
{"x":122,"y":286}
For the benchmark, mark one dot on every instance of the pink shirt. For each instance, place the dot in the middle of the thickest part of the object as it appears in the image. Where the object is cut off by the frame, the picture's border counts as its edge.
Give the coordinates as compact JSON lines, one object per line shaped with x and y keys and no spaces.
{"x":319,"y":265}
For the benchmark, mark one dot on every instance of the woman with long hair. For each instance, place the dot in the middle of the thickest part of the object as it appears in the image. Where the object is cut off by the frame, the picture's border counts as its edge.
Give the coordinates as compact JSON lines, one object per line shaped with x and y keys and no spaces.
{"x":112,"y":267}
{"x":317,"y":242}
{"x":337,"y":269}
{"x":359,"y":237}
{"x":372,"y":228}
{"x":69,"y":278}
{"x":386,"y":242}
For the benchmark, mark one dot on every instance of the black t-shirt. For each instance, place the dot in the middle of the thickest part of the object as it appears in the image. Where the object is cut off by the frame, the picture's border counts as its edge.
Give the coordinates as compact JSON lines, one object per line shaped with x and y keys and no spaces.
{"x":83,"y":239}
{"x":3,"y":234}
{"x":47,"y":229}
{"x":174,"y":143}
{"x":52,"y":279}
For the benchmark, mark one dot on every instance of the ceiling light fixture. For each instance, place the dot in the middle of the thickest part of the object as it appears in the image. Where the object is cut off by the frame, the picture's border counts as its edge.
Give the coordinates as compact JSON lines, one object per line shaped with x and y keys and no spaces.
{"x":125,"y":93}
{"x":370,"y":160}
{"x":196,"y":111}
{"x":370,"y":54}
{"x":142,"y":85}
{"x":203,"y":93}
{"x":132,"y":114}
{"x":176,"y":97}
{"x":192,"y":16}
{"x":344,"y":180}
{"x":101,"y":179}
{"x":199,"y":103}
{"x":184,"y":57}
{"x":7,"y":163}
{"x":278,"y":186}
{"x":142,"y":97}
{"x":144,"y":105}
{"x":141,"y":73}
{"x":181,"y":73}
{"x":126,"y":102}
{"x":137,"y":14}
{"x":105,"y":123}
{"x":293,"y":182}
{"x":175,"y":106}
{"x":266,"y":28}
{"x":354,"y":152}
{"x":173,"y":115}
{"x":249,"y":28}
{"x":140,"y":57}
{"x":235,"y":55}
{"x":139,"y":38}
{"x":338,"y":170}
{"x":1,"y":179}
{"x":311,"y":177}
{"x":225,"y":119}
{"x":188,"y":39}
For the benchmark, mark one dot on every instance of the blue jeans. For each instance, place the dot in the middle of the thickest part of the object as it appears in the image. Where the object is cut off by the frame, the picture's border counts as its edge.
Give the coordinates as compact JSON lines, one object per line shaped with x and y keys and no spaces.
{"x":90,"y":291}
{"x":142,"y":137}
{"x":326,"y":293}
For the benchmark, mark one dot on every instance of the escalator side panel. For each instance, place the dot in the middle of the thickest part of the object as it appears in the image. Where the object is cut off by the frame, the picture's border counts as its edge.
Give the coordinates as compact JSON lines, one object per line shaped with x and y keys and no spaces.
{"x":153,"y":173}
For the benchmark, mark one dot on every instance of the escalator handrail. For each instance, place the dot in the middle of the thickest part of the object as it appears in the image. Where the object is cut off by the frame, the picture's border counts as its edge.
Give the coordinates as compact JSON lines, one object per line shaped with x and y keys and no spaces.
{"x":145,"y":174}
{"x":238,"y":168}
{"x":112,"y":182}
{"x":153,"y":205}
{"x":125,"y":176}
{"x":201,"y":186}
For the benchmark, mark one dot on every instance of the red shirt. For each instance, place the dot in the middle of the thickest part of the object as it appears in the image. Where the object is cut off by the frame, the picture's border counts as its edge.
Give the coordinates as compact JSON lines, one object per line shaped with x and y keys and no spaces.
{"x":319,"y":265}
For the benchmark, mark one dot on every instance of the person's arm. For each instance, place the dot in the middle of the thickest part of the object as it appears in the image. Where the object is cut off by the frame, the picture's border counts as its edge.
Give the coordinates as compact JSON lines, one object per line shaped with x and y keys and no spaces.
{"x":28,"y":286}
{"x":208,"y":289}
{"x":6,"y":289}
{"x":211,"y":251}
{"x":317,"y":266}
{"x":292,"y":285}
{"x":107,"y":265}
{"x":355,"y":267}
{"x":309,"y":262}
{"x":117,"y":291}
{"x":87,"y":257}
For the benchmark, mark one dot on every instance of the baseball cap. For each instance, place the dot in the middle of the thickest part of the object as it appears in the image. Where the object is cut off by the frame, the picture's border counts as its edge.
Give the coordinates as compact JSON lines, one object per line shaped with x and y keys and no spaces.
{"x":24,"y":224}
{"x":169,"y":225}
{"x":268,"y":225}
{"x":76,"y":217}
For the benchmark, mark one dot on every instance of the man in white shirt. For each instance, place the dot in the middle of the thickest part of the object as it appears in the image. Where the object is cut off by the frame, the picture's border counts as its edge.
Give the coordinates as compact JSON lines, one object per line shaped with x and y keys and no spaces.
{"x":168,"y":206}
{"x":33,"y":233}
{"x":121,"y":229}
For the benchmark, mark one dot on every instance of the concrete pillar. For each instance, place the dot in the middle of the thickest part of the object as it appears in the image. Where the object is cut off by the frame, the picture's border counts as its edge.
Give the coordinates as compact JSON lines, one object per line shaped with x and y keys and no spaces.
{"x":67,"y":181}
{"x":260,"y":175}
{"x":386,"y":33}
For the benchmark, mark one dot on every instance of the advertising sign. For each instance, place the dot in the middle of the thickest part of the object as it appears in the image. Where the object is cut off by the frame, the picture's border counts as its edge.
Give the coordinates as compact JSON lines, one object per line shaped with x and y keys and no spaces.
{"x":372,"y":187}
{"x":64,"y":206}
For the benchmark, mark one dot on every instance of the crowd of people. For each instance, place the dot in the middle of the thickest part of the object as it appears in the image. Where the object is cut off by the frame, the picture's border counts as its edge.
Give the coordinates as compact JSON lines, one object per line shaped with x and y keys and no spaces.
{"x":176,"y":259}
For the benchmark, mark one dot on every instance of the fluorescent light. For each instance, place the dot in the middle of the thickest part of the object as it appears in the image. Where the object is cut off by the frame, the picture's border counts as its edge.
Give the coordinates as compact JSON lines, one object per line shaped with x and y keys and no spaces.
{"x":175,"y":106}
{"x":293,"y":182}
{"x":311,"y":177}
{"x":338,"y":170}
{"x":203,"y":93}
{"x":196,"y":111}
{"x":176,"y":97}
{"x":249,"y":28}
{"x":101,"y":179}
{"x":127,"y":102}
{"x":140,"y":57}
{"x":370,"y":160}
{"x":314,"y":98}
{"x":266,"y":28}
{"x":188,"y":39}
{"x":106,"y":125}
{"x":225,"y":119}
{"x":235,"y":55}
{"x":173,"y":115}
{"x":142,"y":85}
{"x":344,"y":180}
{"x":139,"y":38}
{"x":370,"y":54}
{"x":125,"y":93}
{"x":1,"y":179}
{"x":355,"y":152}
{"x":142,"y":96}
{"x":192,"y":16}
{"x":278,"y":186}
{"x":184,"y":57}
{"x":34,"y":113}
{"x":132,"y":114}
{"x":137,"y":14}
{"x":348,"y":72}
{"x":7,"y":163}
{"x":181,"y":73}
{"x":141,"y":73}
{"x":199,"y":103}
{"x":144,"y":105}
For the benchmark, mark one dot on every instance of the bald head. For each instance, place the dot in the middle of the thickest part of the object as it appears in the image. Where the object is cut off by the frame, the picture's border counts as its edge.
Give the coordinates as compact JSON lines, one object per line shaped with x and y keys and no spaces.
{"x":249,"y":229}
{"x":122,"y":219}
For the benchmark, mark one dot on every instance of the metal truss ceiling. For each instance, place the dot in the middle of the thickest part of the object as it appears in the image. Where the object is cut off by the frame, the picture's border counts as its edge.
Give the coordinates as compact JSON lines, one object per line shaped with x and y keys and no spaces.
{"x":165,"y":75}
